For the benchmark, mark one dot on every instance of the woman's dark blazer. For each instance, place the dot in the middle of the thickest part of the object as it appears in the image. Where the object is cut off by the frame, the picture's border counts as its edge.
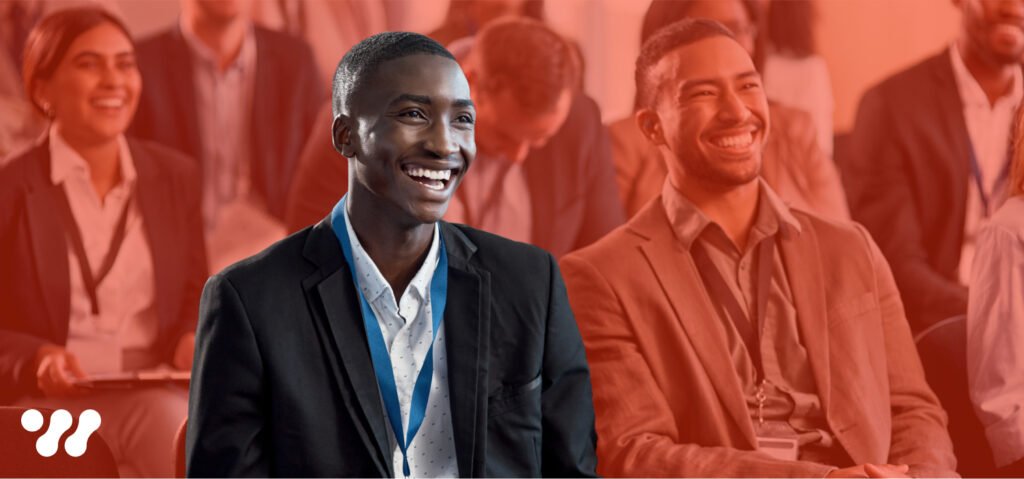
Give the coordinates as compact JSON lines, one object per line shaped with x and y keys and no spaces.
{"x":35,"y":290}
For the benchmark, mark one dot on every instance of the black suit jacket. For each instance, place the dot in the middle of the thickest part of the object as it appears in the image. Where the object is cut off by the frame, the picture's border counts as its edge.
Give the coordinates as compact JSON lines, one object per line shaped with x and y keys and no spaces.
{"x":283,"y":383}
{"x":35,"y":289}
{"x":286,"y":97}
{"x":906,"y":180}
{"x":573,"y":194}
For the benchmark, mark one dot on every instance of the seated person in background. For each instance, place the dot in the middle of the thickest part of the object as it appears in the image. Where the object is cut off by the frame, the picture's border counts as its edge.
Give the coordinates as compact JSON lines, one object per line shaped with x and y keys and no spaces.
{"x":727,"y":334}
{"x":794,"y":165}
{"x":466,"y":17}
{"x":101,"y":245}
{"x":928,"y":157}
{"x":995,"y":322}
{"x":241,"y":100}
{"x":543,"y":173}
{"x":795,"y":74}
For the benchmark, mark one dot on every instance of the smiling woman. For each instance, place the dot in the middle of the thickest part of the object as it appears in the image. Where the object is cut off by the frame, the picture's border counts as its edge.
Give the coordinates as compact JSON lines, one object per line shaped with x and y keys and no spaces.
{"x":105,"y":232}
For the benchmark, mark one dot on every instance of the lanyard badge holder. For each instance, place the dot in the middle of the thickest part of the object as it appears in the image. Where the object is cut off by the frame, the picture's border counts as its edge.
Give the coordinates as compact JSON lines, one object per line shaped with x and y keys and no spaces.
{"x":378,"y":350}
{"x":785,"y":448}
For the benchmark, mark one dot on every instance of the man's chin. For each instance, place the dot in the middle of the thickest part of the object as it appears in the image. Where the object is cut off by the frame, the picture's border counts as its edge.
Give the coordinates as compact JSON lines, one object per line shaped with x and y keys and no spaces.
{"x":430,"y":213}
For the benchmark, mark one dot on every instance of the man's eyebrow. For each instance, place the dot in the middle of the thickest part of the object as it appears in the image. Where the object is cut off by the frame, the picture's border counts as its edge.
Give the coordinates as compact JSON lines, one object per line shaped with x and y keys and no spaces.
{"x":463,"y":103}
{"x":425,"y":100}
{"x":714,"y":81}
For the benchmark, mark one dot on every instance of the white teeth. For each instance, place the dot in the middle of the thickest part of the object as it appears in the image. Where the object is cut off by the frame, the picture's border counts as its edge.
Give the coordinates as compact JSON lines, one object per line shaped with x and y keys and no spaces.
{"x":736,"y":141}
{"x":109,"y":102}
{"x":430,"y":174}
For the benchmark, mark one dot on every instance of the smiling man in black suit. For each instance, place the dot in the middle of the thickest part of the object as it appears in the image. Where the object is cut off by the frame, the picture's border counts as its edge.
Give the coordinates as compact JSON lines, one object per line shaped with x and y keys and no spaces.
{"x":383,"y":341}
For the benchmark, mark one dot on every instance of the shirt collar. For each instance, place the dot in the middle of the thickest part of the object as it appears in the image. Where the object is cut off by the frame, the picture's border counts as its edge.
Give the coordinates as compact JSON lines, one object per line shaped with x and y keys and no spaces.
{"x":372,"y":282}
{"x":203,"y":53}
{"x":689,"y":222}
{"x":971,"y":93}
{"x":65,"y":161}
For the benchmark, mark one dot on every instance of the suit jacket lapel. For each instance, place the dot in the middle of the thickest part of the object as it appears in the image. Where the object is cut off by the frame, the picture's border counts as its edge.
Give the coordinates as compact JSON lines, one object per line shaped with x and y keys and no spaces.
{"x":467,"y":329}
{"x":264,"y":157}
{"x":466,"y":326}
{"x":49,"y":247}
{"x":685,"y":290}
{"x":182,"y":86}
{"x":153,"y":199}
{"x":342,"y":331}
{"x":951,"y":115}
{"x":801,"y":256}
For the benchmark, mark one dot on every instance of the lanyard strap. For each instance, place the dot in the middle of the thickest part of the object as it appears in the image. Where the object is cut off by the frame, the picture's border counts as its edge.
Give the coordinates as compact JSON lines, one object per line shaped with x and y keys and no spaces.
{"x":728,"y":304}
{"x":986,"y":201}
{"x":74,"y":236}
{"x":382,"y":366}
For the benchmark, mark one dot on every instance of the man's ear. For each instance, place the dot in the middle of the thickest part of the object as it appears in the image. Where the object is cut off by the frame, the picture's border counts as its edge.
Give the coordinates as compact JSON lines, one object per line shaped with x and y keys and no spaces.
{"x":650,"y":126}
{"x":341,"y":135}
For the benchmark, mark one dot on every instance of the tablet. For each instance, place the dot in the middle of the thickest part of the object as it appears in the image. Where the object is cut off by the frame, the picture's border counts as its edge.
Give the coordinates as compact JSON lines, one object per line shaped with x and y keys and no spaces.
{"x":134,"y":379}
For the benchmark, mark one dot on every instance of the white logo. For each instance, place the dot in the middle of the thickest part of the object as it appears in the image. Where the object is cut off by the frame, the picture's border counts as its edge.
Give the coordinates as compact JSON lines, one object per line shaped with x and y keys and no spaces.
{"x":60,"y":422}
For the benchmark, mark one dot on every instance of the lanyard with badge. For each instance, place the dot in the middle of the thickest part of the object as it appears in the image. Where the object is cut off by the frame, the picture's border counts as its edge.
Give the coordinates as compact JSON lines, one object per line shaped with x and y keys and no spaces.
{"x":986,"y":200}
{"x":379,"y":352}
{"x":750,"y":328}
{"x":91,"y":280}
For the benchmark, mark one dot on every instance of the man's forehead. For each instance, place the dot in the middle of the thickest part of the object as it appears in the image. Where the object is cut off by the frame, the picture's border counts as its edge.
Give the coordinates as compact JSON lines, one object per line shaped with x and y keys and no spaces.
{"x":710,"y":58}
{"x":429,"y":76}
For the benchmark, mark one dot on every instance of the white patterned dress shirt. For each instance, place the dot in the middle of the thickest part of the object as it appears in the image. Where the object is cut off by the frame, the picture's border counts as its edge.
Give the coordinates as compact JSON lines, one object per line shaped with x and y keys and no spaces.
{"x":407,"y":328}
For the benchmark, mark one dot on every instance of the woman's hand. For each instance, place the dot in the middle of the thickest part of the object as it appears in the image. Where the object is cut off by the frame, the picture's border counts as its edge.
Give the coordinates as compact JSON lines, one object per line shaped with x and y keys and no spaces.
{"x":55,"y":369}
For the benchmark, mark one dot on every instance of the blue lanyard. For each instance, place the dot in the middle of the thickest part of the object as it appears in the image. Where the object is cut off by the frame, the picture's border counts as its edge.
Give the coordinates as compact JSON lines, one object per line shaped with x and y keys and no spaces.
{"x":379,"y":351}
{"x":976,"y":173}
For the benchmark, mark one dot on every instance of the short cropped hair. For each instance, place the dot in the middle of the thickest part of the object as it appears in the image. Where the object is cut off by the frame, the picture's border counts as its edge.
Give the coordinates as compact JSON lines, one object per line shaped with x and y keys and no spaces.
{"x":50,"y":40}
{"x":676,"y":35}
{"x":366,"y":56}
{"x":526,"y":58}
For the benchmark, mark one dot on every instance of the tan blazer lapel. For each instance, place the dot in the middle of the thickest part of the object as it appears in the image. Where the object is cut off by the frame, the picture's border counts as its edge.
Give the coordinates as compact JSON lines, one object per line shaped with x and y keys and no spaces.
{"x":682,"y":285}
{"x":802,"y":258}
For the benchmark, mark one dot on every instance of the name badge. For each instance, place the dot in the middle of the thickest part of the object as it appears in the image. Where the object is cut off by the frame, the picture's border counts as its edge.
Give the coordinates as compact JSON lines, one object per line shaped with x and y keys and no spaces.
{"x":784,"y":448}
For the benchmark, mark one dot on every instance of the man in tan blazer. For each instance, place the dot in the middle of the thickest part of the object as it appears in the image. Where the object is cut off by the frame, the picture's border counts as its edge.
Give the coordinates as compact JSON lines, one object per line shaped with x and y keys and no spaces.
{"x":727,"y":334}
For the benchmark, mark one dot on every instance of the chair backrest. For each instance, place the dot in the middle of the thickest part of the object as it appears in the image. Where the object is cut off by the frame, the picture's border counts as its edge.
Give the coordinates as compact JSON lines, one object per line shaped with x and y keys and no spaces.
{"x":943,"y":351}
{"x":19,"y":458}
{"x":179,"y":450}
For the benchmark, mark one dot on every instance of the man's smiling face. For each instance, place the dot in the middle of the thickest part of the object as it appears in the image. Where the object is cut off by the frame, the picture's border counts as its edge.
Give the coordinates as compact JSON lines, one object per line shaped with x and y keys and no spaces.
{"x":411,"y":137}
{"x":712,"y":110}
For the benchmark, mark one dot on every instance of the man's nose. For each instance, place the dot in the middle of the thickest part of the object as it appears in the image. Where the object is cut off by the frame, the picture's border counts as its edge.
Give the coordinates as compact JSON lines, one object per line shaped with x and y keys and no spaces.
{"x":733,"y":108}
{"x":440,"y":140}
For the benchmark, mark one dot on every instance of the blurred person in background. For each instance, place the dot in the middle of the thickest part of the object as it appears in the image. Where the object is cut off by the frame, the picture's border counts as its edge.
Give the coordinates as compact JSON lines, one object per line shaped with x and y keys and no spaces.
{"x":239,"y":98}
{"x":794,"y":165}
{"x":466,"y":17}
{"x":995,"y":323}
{"x":101,"y":242}
{"x":330,"y":27}
{"x":928,"y":157}
{"x":544,"y":173}
{"x":794,"y":74}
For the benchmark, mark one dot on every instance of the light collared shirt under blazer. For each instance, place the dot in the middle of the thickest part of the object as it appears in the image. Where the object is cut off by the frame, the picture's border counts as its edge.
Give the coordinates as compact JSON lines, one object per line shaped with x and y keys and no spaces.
{"x":667,"y":398}
{"x":283,"y":383}
{"x":408,"y":333}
